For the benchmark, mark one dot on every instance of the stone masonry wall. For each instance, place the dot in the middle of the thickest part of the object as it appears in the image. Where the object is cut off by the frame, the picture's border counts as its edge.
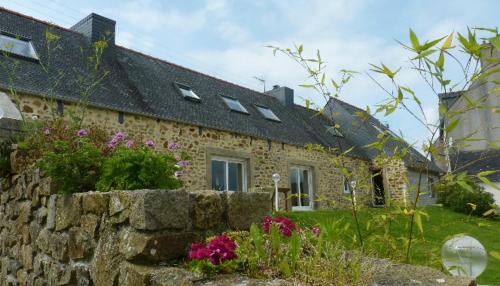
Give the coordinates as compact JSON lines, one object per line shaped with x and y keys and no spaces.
{"x":102,"y":238}
{"x":263,"y":157}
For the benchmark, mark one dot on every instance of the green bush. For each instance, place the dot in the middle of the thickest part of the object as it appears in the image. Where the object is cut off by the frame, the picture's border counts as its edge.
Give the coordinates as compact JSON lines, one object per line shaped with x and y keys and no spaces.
{"x":463,"y":195}
{"x":73,"y":166}
{"x":143,"y":168}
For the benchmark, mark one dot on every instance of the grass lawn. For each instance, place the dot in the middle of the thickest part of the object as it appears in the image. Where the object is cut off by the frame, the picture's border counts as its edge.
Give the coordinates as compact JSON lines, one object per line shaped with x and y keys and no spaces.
{"x":440,"y":225}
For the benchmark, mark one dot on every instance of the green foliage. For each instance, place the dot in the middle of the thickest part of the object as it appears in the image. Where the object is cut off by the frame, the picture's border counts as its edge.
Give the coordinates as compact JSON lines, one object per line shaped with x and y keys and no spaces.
{"x":73,"y":166}
{"x":464,"y":195}
{"x":132,"y":169}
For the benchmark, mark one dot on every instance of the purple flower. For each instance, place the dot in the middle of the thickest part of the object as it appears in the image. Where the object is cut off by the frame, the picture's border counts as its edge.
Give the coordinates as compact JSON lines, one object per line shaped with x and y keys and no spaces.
{"x":46,"y":131}
{"x":82,"y":133}
{"x":178,"y":158}
{"x":111,"y":145}
{"x":129,"y":143}
{"x":173,"y":146}
{"x":218,"y":250}
{"x":178,"y":174}
{"x":198,"y":252}
{"x":182,"y":163}
{"x":119,"y":136}
{"x":316,"y":231}
{"x":150,"y":143}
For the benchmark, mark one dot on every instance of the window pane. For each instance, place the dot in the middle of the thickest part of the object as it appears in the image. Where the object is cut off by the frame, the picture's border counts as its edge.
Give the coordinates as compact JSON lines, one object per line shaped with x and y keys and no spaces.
{"x":304,"y":188}
{"x":235,"y":176}
{"x":187,"y":92}
{"x":17,"y":46}
{"x":268,"y":113}
{"x":234,"y":104}
{"x":294,"y":185}
{"x":346,"y":187}
{"x":219,"y":175}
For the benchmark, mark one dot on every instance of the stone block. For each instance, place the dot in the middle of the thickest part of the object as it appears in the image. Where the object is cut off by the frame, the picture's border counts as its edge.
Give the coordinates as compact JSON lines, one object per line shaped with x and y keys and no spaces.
{"x":27,"y":257}
{"x":175,"y":276}
{"x":58,"y":246}
{"x":95,"y":202}
{"x":119,"y":206}
{"x":90,"y":223}
{"x":43,"y":240}
{"x":81,"y":244}
{"x":68,"y":211}
{"x":105,"y":265}
{"x":149,"y":248}
{"x":24,"y":211}
{"x":47,"y":187}
{"x":160,"y":209}
{"x":244,"y":209}
{"x":51,"y":212}
{"x":206,"y":209}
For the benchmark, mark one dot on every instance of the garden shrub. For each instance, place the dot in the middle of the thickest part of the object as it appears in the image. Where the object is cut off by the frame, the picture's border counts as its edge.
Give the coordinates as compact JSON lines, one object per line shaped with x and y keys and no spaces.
{"x":73,"y":166}
{"x":140,"y":168}
{"x":464,"y":195}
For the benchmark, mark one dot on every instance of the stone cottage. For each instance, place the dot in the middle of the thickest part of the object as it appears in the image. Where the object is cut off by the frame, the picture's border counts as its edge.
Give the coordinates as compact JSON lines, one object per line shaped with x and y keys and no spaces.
{"x":237,"y":137}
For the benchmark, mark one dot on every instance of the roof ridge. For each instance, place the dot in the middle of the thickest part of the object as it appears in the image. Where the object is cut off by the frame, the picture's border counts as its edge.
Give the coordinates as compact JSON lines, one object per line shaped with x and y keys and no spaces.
{"x":3,"y":9}
{"x":195,"y":71}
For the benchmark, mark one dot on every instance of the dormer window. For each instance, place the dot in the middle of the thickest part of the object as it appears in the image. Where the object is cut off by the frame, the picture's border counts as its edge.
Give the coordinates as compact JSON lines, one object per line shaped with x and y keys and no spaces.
{"x":267,"y":113}
{"x":234,"y":104}
{"x":187,"y":92}
{"x":17,"y":46}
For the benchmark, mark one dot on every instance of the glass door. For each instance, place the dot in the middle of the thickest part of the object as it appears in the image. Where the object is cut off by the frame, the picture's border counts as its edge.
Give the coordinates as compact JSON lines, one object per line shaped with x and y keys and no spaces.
{"x":301,"y":187}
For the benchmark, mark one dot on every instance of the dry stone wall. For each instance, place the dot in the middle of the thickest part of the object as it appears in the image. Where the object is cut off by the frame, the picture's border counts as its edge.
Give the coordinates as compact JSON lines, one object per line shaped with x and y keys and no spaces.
{"x":106,"y":238}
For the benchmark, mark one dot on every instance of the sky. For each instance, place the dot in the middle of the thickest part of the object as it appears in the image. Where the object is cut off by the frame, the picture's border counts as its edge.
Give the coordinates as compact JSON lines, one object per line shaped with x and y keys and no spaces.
{"x":227,"y":39}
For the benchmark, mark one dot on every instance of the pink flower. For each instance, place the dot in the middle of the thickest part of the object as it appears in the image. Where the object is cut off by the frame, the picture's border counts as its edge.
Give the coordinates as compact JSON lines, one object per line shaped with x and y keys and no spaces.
{"x":150,"y":143}
{"x":129,"y":143}
{"x":218,"y":250}
{"x":81,"y":133}
{"x":178,"y":174}
{"x":173,"y":146}
{"x":183,"y":163}
{"x":119,"y":136}
{"x":46,"y":131}
{"x":198,"y":252}
{"x":316,"y":231}
{"x":285,"y":225}
{"x":178,"y":158}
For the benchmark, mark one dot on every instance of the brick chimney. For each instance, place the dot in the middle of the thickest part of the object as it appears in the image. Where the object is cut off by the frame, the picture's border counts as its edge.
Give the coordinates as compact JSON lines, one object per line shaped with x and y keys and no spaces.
{"x":283,"y":94}
{"x":96,"y":27}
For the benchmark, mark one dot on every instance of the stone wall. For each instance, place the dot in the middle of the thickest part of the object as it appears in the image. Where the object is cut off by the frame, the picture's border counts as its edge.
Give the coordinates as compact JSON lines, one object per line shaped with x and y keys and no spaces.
{"x":263,"y":157}
{"x":102,"y":238}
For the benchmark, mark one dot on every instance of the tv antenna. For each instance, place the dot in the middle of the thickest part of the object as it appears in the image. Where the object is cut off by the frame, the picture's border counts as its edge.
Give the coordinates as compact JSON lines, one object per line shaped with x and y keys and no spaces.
{"x":262,"y":81}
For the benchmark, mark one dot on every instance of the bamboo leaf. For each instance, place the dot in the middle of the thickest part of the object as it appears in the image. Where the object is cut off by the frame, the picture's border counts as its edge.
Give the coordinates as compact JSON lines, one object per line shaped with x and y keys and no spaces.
{"x":452,"y":125}
{"x":495,"y":254}
{"x":447,"y":43}
{"x":414,"y":41}
{"x":496,"y":42}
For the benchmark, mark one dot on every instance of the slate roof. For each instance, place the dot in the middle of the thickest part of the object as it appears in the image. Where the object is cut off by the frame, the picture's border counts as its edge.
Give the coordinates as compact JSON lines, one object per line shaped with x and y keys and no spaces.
{"x":474,"y":162}
{"x":364,"y":132}
{"x":144,"y":85}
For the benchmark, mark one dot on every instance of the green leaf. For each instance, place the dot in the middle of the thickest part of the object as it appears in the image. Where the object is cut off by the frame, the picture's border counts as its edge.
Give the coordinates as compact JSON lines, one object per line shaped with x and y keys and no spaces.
{"x":447,"y":43}
{"x":334,"y":83}
{"x":495,"y":254}
{"x":424,"y":54}
{"x":496,"y":42}
{"x":418,"y":221}
{"x":489,"y":183}
{"x":307,"y":85}
{"x":308,"y":103}
{"x":452,"y":125}
{"x":440,"y":61}
{"x":285,"y":268}
{"x":300,"y":49}
{"x":431,"y":44}
{"x":487,"y":173}
{"x":414,"y":41}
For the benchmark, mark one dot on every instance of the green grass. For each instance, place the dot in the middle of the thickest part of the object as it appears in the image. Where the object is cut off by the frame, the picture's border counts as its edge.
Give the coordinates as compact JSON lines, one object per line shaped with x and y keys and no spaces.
{"x":440,"y":225}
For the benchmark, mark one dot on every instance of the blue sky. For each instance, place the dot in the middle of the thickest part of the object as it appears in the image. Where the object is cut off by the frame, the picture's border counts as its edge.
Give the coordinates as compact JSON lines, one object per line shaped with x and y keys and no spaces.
{"x":226,"y":38}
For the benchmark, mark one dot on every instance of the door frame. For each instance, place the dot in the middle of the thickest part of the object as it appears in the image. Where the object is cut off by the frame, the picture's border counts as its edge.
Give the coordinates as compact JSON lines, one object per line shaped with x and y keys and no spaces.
{"x":309,"y":183}
{"x":381,"y":174}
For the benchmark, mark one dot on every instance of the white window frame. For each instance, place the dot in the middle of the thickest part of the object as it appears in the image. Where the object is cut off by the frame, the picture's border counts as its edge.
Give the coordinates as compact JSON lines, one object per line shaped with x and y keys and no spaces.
{"x":33,"y":55}
{"x":228,"y":160}
{"x":310,"y":191}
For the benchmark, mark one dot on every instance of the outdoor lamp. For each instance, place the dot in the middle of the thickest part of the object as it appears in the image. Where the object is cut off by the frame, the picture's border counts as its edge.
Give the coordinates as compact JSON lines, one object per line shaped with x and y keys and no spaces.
{"x":276,"y":179}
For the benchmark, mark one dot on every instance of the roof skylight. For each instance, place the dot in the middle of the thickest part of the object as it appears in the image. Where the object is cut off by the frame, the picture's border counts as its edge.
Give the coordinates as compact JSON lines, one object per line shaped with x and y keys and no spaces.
{"x":187,"y":92}
{"x":234,"y":104}
{"x":267,"y":113}
{"x":17,"y":46}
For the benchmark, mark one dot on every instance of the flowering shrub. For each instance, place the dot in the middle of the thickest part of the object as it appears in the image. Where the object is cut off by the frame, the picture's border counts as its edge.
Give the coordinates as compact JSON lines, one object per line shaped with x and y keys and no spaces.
{"x":285,"y":225}
{"x":132,"y":167}
{"x":82,"y":159}
{"x":218,"y":255}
